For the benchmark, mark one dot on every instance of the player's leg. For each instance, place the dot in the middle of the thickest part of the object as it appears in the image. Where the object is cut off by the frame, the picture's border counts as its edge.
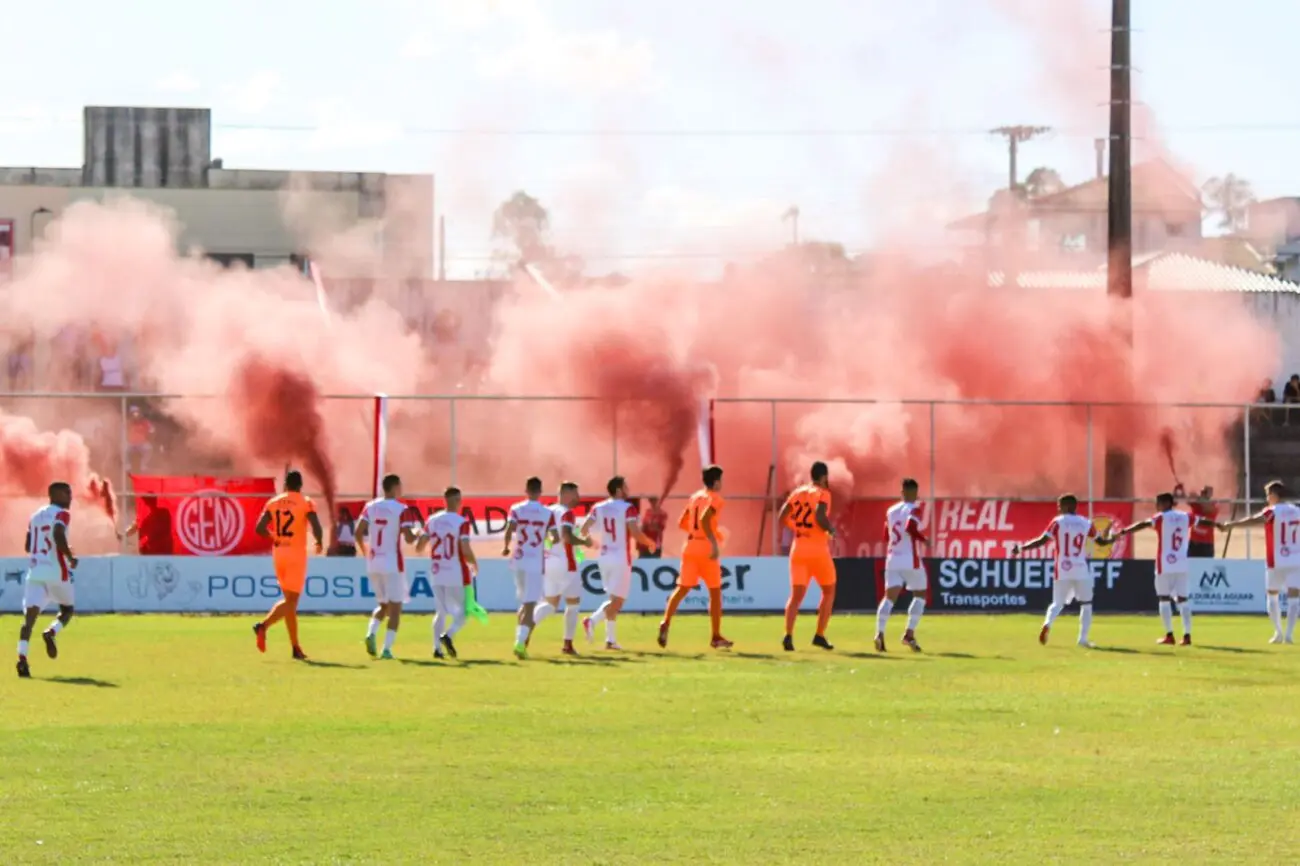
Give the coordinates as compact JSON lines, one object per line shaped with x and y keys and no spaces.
{"x":456,"y":606}
{"x":572,"y":616}
{"x":552,"y":580}
{"x":894,"y":582}
{"x":915,"y":582}
{"x":532,"y":594}
{"x":611,"y":578}
{"x":278,"y":610}
{"x":1164,"y":596}
{"x":688,"y":578}
{"x":1060,"y":598}
{"x":440,"y":618}
{"x":60,"y":593}
{"x":712,"y":577}
{"x":1292,"y":608}
{"x":1184,"y":602}
{"x":291,"y":600}
{"x":1275,"y":585}
{"x":1082,"y":590}
{"x":378,"y":615}
{"x":394,"y":617}
{"x":33,"y":603}
{"x":799,"y":577}
{"x":825,"y":577}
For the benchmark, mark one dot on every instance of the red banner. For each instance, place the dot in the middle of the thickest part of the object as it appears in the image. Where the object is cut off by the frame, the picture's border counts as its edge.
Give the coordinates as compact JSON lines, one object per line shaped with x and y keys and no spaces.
{"x":486,"y":515}
{"x":200,"y":516}
{"x":972,"y":528}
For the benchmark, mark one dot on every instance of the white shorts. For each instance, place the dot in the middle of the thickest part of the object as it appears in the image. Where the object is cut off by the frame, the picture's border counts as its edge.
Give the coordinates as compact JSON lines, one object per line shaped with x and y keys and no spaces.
{"x":1067,"y":589}
{"x":528,"y":582}
{"x":1283,"y":577}
{"x":616,"y":577}
{"x":390,"y":587}
{"x":449,"y":574}
{"x":449,"y":600}
{"x":1172,"y":584}
{"x":40,"y":593}
{"x":562,"y":583}
{"x":912,"y":579}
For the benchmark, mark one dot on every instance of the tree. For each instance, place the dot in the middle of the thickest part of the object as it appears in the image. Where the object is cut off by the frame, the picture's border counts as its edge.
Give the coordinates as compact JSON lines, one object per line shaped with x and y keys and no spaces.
{"x":523,"y":224}
{"x":1230,"y":197}
{"x":1043,"y":181}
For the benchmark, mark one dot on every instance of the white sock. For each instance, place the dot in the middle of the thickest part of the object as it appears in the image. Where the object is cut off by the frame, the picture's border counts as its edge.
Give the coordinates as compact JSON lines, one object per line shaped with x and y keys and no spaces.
{"x":439,"y":626}
{"x":1274,"y":606}
{"x":882,"y":614}
{"x":610,"y":634}
{"x":56,"y":626}
{"x":1085,"y":621}
{"x":1185,"y":611}
{"x":1292,"y":614}
{"x":599,"y":615}
{"x":572,"y":614}
{"x":22,"y":649}
{"x":1167,"y":616}
{"x":373,"y":628}
{"x":914,"y":611}
{"x":541,"y":612}
{"x":389,"y":637}
{"x":521,"y":633}
{"x":1053,"y":611}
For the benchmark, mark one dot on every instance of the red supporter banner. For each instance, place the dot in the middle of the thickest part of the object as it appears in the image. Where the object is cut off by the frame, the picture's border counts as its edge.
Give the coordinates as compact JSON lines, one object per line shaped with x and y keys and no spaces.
{"x":974,"y":528}
{"x":200,"y":516}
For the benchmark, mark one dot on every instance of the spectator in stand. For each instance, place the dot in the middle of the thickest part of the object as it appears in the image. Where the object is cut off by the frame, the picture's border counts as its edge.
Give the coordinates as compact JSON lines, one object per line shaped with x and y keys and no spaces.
{"x":139,"y":440}
{"x":1264,"y":401}
{"x":344,"y":534}
{"x":653,"y":523}
{"x":1201,"y":543}
{"x":1290,"y":395}
{"x":155,"y":530}
{"x":112,"y":370}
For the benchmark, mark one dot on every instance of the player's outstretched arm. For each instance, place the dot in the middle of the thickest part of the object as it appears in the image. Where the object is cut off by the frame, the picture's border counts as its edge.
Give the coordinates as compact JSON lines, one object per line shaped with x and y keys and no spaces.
{"x":1031,"y":545}
{"x":1253,"y":520}
{"x":1129,"y":530}
{"x":317,"y":532}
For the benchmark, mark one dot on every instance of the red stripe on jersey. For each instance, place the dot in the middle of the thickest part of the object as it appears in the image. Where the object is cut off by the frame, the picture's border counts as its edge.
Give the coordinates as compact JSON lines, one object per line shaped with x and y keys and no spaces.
{"x":1158,"y":523}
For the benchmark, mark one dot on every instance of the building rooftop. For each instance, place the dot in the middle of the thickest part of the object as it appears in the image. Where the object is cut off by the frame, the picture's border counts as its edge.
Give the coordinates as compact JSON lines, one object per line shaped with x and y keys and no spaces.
{"x":1159,"y":272}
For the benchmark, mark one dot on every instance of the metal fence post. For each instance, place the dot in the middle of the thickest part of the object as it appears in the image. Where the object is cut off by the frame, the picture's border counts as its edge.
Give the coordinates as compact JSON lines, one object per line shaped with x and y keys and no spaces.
{"x":126,"y":469}
{"x":1245,"y":434}
{"x":774,"y":492}
{"x":934,"y":445}
{"x":451,"y":416}
{"x":613,"y":425}
{"x":1088,"y":462}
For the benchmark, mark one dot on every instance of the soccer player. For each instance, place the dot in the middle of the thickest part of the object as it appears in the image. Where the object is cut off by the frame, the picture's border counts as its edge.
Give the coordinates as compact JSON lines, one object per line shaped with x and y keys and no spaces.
{"x":1281,"y":519}
{"x":1174,"y":529}
{"x":616,"y":518}
{"x":385,"y":566}
{"x":528,"y":525}
{"x":50,"y":562}
{"x":701,"y":556}
{"x":903,"y":566}
{"x":453,"y":566}
{"x":1069,"y":532}
{"x":561,"y":578}
{"x":807,"y":513}
{"x":282,"y":521}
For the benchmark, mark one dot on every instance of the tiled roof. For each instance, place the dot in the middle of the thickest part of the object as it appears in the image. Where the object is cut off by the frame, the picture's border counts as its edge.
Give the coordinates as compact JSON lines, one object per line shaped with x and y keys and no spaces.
{"x":1161,"y":272}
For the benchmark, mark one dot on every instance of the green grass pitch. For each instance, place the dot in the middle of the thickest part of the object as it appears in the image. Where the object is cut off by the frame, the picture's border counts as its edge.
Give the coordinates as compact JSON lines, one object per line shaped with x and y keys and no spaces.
{"x":158,"y":739}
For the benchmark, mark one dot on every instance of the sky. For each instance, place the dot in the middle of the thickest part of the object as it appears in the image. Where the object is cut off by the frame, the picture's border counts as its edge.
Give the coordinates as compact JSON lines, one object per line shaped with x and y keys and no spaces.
{"x":667,"y":132}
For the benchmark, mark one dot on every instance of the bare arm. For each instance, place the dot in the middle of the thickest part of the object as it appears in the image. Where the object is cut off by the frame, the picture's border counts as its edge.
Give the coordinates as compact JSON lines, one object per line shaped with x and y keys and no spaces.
{"x":510,"y":534}
{"x":264,"y":525}
{"x":1253,"y":520}
{"x":61,"y":544}
{"x":585,"y":531}
{"x":634,"y":530}
{"x":1032,"y":545}
{"x":1129,"y":530}
{"x":317,"y":533}
{"x":708,"y":523}
{"x":571,"y":537}
{"x":362,"y":527}
{"x":784,"y":516}
{"x":823,"y":519}
{"x":468,"y":553}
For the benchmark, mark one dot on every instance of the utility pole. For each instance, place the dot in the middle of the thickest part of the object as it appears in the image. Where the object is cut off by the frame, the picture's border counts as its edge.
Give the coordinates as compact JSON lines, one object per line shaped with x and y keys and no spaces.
{"x":1016,"y":136}
{"x":1119,"y":226}
{"x":792,"y":216}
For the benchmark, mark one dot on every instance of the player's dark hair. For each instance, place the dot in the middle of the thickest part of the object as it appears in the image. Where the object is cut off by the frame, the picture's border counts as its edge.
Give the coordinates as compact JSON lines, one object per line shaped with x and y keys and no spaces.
{"x":450,"y":492}
{"x":390,"y":482}
{"x":59,"y":487}
{"x":614,"y":484}
{"x":293,"y":481}
{"x":1068,"y":502}
{"x":568,"y":487}
{"x":712,"y":475}
{"x":1276,"y":487}
{"x":819,"y":471}
{"x":533,"y":485}
{"x":1165,"y":501}
{"x":910,"y":484}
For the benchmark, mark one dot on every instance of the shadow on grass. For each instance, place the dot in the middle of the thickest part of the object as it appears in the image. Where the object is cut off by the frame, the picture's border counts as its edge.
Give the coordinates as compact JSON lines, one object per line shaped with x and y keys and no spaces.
{"x":317,"y":663}
{"x":453,"y":663}
{"x":82,"y":681}
{"x":584,"y":660}
{"x":968,"y":657}
{"x":1230,"y":649}
{"x":880,"y":657}
{"x":1129,"y":651}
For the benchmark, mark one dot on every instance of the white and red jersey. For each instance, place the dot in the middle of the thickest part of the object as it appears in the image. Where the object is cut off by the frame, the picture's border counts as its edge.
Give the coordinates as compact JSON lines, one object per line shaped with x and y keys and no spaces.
{"x":386,"y":518}
{"x":42,"y":553}
{"x":1282,"y":535}
{"x":562,"y":555}
{"x":614,"y":519}
{"x":1173,"y":532}
{"x":447,"y":530}
{"x":1071,"y":533}
{"x":903,"y":536}
{"x":531,"y":521}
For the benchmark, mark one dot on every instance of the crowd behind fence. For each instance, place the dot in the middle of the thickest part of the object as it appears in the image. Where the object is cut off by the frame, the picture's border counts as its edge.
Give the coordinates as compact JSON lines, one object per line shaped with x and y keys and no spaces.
{"x":132,"y":432}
